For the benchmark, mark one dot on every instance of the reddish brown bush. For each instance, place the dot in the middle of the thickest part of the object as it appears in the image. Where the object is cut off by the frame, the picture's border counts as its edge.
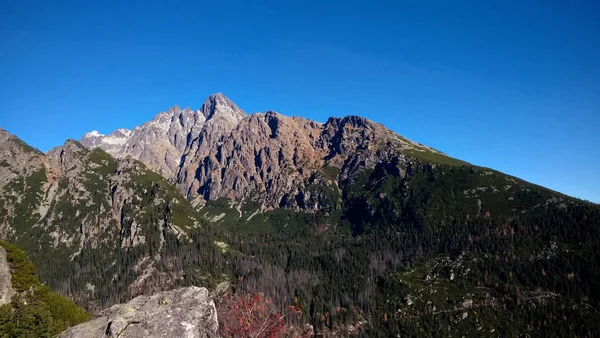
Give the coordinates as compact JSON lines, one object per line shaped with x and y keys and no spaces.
{"x":247,"y":315}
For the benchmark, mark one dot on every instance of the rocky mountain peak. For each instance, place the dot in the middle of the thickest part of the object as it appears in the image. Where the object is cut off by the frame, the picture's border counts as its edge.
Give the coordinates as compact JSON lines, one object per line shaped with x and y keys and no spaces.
{"x":69,"y":156}
{"x":111,"y":143}
{"x":121,"y":132}
{"x":161,"y":142}
{"x":17,"y":158}
{"x":220,"y":151}
{"x":4,"y":133}
{"x":219,"y":107}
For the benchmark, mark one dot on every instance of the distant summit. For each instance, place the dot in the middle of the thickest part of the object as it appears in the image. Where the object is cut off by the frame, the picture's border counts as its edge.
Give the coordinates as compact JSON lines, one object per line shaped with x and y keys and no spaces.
{"x":161,"y":142}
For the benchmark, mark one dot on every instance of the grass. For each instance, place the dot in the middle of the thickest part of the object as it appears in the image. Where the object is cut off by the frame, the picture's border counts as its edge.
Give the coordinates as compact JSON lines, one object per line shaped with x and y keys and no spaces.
{"x":107,"y":164}
{"x":331,"y":172}
{"x":27,"y":147}
{"x":434,"y":158}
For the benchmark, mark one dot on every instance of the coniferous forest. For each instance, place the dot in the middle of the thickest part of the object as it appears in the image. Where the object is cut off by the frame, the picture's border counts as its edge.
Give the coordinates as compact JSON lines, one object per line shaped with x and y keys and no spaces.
{"x":404,"y":256}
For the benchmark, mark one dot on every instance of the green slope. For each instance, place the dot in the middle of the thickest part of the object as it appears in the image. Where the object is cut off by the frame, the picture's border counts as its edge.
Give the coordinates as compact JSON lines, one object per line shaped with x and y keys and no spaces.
{"x":424,"y":245}
{"x":34,"y":311}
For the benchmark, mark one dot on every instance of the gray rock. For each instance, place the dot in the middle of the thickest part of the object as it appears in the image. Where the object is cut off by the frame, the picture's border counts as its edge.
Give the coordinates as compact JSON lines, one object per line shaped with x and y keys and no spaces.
{"x":112,"y":143}
{"x":186,"y":313}
{"x":280,"y":161}
{"x":161,"y":142}
{"x":6,"y":290}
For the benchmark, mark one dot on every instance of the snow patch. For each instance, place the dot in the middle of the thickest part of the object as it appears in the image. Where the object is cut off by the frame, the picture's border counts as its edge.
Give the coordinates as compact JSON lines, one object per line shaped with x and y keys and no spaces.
{"x":93,"y":133}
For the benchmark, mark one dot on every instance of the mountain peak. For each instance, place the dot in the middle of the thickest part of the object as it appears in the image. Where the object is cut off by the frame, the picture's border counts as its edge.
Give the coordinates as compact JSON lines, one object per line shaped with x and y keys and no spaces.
{"x":93,"y":133}
{"x":218,"y":95}
{"x":73,"y":144}
{"x":220,"y":106}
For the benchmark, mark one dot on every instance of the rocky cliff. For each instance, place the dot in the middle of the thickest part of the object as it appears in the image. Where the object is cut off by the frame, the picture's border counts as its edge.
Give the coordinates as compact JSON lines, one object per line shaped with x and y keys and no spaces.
{"x":161,"y":142}
{"x":268,"y":158}
{"x":187,"y":312}
{"x":280,"y":161}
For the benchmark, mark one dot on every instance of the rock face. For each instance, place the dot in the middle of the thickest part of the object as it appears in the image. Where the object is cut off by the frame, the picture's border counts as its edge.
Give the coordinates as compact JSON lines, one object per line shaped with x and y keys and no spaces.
{"x":161,"y":142}
{"x":275,"y":160}
{"x":112,"y":143}
{"x":186,"y":313}
{"x":17,"y":158}
{"x":6,"y":290}
{"x":281,"y":161}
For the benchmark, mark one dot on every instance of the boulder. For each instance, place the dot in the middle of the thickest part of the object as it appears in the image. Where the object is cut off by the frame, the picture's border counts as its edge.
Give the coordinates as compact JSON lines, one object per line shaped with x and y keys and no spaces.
{"x":187,"y":313}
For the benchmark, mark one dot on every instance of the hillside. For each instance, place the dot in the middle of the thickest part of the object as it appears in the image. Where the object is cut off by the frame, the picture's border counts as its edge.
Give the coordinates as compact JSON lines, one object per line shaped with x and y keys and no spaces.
{"x":371,"y":232}
{"x":33,"y":310}
{"x":94,"y":225}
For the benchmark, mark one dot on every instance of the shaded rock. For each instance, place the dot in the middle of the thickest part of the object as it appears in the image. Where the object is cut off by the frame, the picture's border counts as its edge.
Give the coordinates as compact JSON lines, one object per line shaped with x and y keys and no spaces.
{"x":186,"y":312}
{"x":6,"y":290}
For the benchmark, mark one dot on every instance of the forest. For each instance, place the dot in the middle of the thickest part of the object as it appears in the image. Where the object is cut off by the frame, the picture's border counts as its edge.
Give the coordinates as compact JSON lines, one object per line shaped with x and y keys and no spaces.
{"x":405,"y":255}
{"x":34,"y":311}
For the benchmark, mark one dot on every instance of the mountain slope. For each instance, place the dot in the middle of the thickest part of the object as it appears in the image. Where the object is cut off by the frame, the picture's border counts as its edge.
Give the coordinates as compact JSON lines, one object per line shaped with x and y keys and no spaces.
{"x":370,"y":231}
{"x":77,"y":208}
{"x":34,"y":310}
{"x":280,"y":161}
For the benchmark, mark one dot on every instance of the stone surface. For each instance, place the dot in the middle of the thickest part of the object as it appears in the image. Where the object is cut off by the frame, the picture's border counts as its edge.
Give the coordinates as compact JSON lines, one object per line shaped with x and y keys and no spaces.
{"x":186,"y":313}
{"x":112,"y":143}
{"x":161,"y":142}
{"x":6,"y":290}
{"x":281,"y":161}
{"x":275,"y":160}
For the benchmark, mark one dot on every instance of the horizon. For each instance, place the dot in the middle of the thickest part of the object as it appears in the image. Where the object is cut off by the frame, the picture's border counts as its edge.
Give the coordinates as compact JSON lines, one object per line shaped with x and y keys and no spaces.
{"x":506,"y":85}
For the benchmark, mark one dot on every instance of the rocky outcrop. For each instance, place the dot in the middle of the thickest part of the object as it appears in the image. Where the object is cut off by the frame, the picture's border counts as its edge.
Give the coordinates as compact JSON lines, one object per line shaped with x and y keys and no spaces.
{"x":17,"y":158}
{"x":112,"y":143}
{"x":278,"y":161}
{"x":291,"y":162}
{"x":186,"y":312}
{"x":6,"y":290}
{"x":161,"y":142}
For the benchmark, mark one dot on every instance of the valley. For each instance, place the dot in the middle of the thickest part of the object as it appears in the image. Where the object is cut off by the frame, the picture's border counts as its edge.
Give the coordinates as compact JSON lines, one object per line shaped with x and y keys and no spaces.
{"x":374,"y":234}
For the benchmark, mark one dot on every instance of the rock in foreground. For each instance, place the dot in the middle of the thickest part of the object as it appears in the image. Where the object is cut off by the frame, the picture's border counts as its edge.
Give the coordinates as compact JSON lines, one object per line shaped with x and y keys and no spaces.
{"x":6,"y":290}
{"x":186,"y":312}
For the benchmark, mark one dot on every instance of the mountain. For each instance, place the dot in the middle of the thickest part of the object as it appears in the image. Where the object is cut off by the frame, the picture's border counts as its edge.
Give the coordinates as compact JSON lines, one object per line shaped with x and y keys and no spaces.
{"x":274,"y":160}
{"x":372,"y":233}
{"x":161,"y":142}
{"x":290,"y":162}
{"x":76,"y":207}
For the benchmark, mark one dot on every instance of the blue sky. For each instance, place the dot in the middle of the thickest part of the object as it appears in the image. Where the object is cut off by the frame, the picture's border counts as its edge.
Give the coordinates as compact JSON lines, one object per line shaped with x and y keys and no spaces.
{"x":512,"y":85}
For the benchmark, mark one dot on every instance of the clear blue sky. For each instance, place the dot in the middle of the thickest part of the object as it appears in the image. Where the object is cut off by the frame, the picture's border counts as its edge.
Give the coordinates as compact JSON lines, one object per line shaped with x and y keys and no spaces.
{"x":512,"y":85}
